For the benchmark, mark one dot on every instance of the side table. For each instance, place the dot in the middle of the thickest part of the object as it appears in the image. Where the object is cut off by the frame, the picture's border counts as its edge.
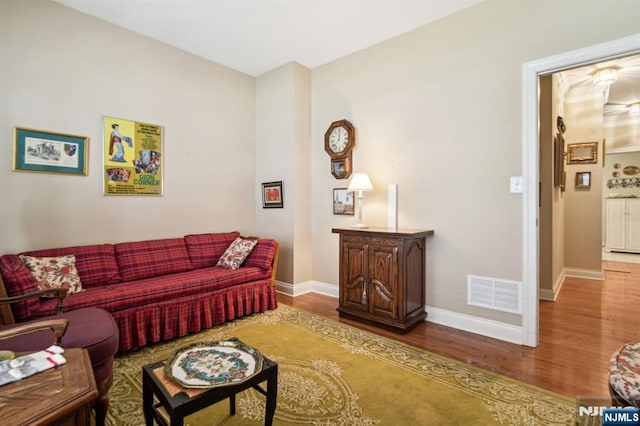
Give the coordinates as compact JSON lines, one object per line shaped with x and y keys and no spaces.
{"x":60,"y":396}
{"x":179,"y":404}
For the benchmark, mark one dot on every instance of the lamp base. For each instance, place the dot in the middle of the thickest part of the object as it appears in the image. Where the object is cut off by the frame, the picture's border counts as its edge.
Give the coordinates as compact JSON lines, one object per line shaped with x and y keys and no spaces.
{"x":360,"y":226}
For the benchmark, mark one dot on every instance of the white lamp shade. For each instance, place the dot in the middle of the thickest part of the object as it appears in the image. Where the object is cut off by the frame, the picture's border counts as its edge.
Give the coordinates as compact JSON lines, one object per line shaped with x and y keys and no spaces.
{"x":360,"y":182}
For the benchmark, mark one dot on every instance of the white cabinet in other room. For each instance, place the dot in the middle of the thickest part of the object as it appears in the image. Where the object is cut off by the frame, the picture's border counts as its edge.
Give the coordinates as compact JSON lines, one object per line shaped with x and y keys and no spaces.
{"x":623,"y":225}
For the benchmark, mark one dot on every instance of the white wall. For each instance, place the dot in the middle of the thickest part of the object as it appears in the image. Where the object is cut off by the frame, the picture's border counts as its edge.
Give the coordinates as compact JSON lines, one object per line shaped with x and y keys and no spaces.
{"x":438,"y":111}
{"x":62,"y":71}
{"x":583,"y":206}
{"x":282,"y":154}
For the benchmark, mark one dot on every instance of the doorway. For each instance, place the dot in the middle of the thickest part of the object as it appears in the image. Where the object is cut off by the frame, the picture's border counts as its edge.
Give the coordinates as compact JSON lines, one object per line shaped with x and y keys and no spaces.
{"x":531,"y":157}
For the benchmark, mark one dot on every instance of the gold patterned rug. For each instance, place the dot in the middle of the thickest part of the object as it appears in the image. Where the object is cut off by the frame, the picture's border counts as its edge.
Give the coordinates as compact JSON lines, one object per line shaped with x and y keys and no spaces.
{"x":334,"y":374}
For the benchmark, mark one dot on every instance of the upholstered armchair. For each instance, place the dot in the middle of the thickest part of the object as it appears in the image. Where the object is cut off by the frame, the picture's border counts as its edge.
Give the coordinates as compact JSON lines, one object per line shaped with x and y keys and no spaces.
{"x":89,"y":328}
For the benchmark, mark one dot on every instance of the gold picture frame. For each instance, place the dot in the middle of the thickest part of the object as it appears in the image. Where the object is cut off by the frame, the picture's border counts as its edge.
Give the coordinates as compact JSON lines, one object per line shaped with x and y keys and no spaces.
{"x":50,"y":152}
{"x":582,"y":153}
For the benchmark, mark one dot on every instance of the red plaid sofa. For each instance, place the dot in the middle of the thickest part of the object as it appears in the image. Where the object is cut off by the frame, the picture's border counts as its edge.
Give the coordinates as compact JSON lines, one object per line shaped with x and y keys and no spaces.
{"x":157,"y":289}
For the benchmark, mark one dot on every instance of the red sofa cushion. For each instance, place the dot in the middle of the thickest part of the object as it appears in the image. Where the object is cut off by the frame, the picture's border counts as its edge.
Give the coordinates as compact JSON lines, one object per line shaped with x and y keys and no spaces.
{"x":152,"y":258}
{"x":262,"y":254}
{"x":96,"y":264}
{"x":149,"y":291}
{"x":18,"y":280}
{"x":206,"y":249}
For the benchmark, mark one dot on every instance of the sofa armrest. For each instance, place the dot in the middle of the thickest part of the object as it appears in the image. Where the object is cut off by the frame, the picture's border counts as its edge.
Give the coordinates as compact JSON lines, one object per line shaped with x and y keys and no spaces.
{"x":274,"y":264}
{"x":5,"y":301}
{"x":58,"y":326}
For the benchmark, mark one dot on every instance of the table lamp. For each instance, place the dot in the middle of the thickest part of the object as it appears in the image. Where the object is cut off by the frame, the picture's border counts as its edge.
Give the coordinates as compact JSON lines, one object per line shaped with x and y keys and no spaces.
{"x":360,"y":182}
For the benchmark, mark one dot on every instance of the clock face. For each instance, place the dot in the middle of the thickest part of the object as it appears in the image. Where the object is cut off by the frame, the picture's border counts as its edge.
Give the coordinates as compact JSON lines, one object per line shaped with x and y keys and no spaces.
{"x":338,"y":139}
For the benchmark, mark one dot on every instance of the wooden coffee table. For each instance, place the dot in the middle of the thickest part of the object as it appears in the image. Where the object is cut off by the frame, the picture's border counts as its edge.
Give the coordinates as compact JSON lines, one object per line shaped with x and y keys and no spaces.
{"x":61,"y":395}
{"x":180,"y":402}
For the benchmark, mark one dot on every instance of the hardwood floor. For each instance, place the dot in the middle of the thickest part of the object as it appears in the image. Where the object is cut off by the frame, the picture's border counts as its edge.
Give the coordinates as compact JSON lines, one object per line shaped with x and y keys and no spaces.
{"x":578,"y":334}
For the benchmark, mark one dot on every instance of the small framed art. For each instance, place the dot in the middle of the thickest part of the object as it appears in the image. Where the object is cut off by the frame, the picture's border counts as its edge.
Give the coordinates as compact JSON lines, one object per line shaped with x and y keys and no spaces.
{"x":272,"y":197}
{"x":342,"y":201}
{"x":583,"y":180}
{"x":49,"y":152}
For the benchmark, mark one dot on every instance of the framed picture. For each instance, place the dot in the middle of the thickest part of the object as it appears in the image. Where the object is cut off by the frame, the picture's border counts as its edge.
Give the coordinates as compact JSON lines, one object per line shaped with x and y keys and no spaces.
{"x":133,"y":157}
{"x":582,"y":153}
{"x":272,"y":197}
{"x":49,"y":152}
{"x":342,"y":201}
{"x":559,"y":161}
{"x":583,"y":180}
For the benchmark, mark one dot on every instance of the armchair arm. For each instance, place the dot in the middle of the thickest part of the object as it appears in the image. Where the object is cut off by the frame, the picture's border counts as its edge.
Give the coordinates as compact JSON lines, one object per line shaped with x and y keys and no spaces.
{"x":58,"y":326}
{"x":7,"y":316}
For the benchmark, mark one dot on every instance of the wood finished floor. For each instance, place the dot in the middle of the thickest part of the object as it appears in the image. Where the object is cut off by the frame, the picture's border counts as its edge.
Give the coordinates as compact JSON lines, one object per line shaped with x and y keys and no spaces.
{"x":578,"y":333}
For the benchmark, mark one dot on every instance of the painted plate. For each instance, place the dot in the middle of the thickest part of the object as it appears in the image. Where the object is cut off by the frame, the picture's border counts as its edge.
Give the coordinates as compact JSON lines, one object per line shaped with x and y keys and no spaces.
{"x":207,"y":365}
{"x":631,"y":170}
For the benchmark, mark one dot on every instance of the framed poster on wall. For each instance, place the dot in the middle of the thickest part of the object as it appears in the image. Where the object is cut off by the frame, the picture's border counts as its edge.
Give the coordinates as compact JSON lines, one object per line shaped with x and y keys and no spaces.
{"x":49,"y":152}
{"x":133,"y":157}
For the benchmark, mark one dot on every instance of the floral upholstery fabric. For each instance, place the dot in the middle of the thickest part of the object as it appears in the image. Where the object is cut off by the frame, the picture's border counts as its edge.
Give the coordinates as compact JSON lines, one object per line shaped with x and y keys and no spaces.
{"x":236,"y":253}
{"x":54,"y":272}
{"x":624,"y":372}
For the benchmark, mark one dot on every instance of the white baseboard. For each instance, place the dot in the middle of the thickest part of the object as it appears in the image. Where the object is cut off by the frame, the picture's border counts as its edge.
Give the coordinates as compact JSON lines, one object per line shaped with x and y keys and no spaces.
{"x":307,"y":287}
{"x":590,"y":274}
{"x":490,"y":328}
{"x":551,"y":295}
{"x":484,"y":327}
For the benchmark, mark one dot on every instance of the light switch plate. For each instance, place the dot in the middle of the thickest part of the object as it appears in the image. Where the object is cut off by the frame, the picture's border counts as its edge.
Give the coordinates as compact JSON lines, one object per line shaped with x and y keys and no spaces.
{"x":515,"y":184}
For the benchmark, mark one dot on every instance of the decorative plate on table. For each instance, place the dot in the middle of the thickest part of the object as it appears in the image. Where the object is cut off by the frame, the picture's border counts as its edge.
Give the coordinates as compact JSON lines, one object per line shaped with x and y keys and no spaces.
{"x":211,"y":364}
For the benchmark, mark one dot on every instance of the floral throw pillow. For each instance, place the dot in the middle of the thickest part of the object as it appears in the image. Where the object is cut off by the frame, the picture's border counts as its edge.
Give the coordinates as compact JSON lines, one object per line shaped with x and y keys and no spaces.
{"x":54,"y":272}
{"x":236,"y":253}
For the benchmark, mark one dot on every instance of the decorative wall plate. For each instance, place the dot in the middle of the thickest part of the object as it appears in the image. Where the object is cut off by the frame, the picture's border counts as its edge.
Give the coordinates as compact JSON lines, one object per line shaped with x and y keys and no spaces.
{"x":616,"y":166}
{"x":615,"y":174}
{"x":211,"y":364}
{"x":631,"y":170}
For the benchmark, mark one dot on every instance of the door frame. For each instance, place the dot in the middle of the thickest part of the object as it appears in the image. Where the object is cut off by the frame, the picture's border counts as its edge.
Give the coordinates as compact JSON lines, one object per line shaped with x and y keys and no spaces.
{"x":530,"y":161}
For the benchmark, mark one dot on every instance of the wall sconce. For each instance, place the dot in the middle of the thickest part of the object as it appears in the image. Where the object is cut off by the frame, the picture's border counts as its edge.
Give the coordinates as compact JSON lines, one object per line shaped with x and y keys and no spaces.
{"x":360,"y":182}
{"x":634,"y":109}
{"x":605,"y":77}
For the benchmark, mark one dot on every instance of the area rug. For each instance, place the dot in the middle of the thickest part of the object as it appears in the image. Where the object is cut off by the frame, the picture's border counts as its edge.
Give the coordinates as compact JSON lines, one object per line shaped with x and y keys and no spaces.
{"x":334,"y":374}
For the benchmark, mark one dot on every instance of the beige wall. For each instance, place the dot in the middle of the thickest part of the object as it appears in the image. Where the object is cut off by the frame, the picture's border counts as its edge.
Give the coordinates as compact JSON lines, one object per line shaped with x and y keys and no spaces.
{"x":583,"y":206}
{"x":558,"y":202}
{"x":439,"y":111}
{"x":282,"y":154}
{"x":547,"y":184}
{"x":62,"y":71}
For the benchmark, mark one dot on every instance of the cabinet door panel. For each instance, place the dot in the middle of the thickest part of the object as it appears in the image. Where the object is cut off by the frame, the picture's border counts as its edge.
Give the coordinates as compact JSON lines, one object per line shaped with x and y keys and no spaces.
{"x":353,"y":294}
{"x":633,"y":225}
{"x":615,"y":224}
{"x":383,"y":274}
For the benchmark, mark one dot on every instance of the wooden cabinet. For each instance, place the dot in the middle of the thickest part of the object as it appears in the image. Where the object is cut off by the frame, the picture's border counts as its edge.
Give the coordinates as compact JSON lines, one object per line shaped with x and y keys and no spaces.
{"x":60,"y":396}
{"x":622,"y":225}
{"x":382,"y":276}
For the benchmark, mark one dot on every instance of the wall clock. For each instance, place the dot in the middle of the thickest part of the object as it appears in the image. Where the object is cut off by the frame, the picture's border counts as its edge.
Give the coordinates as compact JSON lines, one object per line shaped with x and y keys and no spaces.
{"x":339,"y":140}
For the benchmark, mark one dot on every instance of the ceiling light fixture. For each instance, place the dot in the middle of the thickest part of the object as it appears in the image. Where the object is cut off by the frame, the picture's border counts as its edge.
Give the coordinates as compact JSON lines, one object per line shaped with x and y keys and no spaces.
{"x":605,"y":77}
{"x":634,"y":109}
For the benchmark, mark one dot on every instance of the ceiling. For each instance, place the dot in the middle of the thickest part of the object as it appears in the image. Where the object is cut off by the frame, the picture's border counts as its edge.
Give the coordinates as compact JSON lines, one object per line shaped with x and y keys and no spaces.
{"x":256,"y":36}
{"x":622,"y":93}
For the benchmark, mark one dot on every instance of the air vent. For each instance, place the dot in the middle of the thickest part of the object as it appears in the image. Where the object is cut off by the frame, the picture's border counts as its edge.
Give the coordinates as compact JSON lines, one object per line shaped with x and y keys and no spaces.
{"x":492,"y":293}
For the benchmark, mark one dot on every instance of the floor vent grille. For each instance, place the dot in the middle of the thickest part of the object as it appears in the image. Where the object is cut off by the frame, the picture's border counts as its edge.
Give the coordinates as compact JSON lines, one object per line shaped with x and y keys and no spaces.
{"x":492,"y":293}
